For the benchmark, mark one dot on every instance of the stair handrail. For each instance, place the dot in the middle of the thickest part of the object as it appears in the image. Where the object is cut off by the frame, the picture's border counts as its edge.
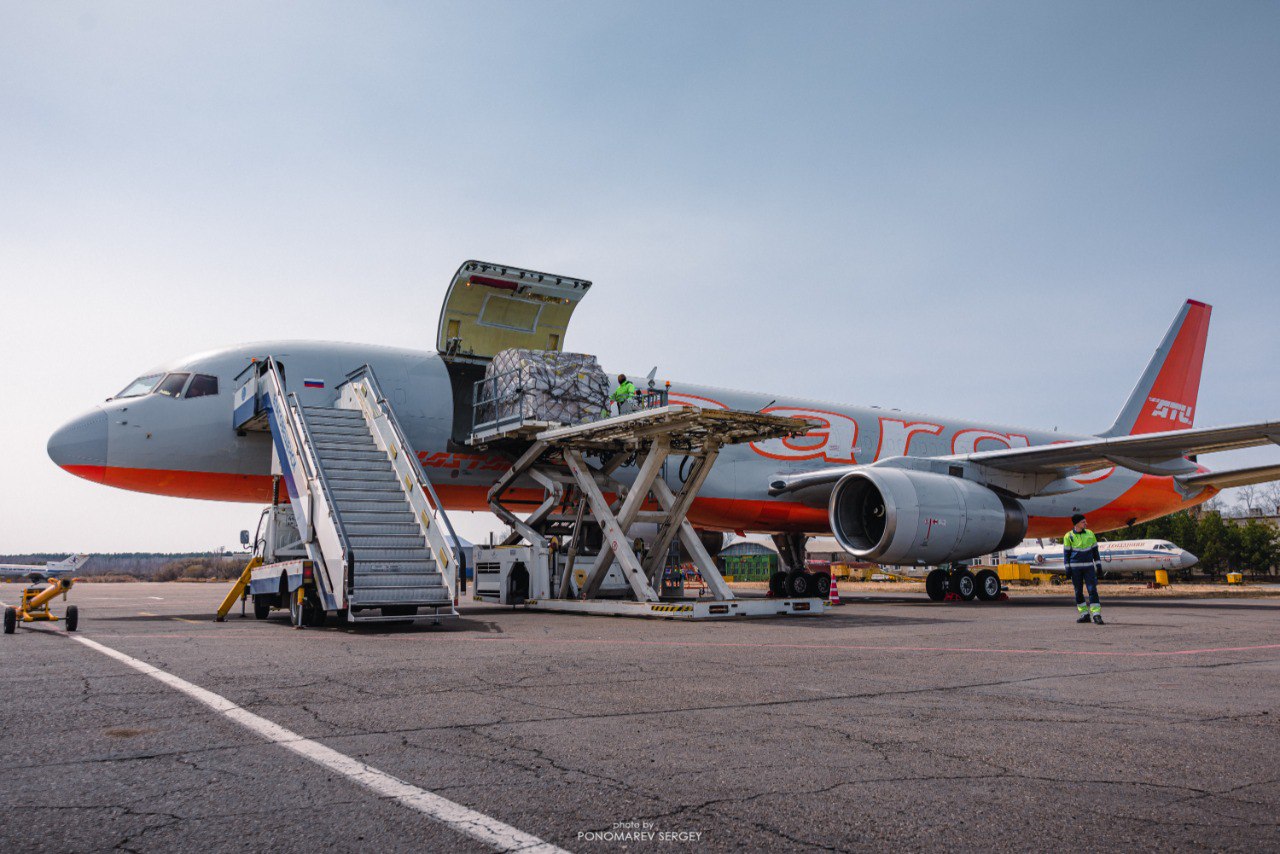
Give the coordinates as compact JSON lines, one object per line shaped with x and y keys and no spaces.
{"x":315,"y":472}
{"x":420,"y":474}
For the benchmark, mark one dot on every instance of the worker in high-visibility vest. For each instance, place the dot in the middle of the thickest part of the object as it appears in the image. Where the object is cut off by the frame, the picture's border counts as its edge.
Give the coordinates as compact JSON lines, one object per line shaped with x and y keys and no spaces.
{"x":624,"y":395}
{"x":1081,"y":559}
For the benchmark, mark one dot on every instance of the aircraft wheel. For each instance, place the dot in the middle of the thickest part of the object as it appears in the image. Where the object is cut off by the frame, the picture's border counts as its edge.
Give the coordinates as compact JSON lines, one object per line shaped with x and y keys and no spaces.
{"x":261,"y":607}
{"x":778,"y":585}
{"x":963,"y":584}
{"x":10,"y":620}
{"x":935,"y":584}
{"x":73,"y":618}
{"x":822,"y":581}
{"x":801,"y":585}
{"x":988,"y":585}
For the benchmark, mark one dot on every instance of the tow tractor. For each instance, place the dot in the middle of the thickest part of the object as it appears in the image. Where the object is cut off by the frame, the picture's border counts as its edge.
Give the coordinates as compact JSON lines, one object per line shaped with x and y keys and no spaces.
{"x":35,"y":606}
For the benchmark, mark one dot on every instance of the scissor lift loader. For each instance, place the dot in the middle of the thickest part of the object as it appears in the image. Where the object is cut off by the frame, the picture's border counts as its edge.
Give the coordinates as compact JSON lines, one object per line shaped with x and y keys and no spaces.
{"x":541,"y":564}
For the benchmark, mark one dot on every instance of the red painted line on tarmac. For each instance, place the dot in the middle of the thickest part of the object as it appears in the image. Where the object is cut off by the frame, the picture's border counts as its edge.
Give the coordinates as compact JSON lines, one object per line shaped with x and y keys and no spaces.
{"x":867,"y":648}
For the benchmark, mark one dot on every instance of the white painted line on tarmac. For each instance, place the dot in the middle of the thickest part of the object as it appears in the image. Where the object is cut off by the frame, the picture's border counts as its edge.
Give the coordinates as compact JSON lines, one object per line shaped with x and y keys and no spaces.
{"x":490,"y":831}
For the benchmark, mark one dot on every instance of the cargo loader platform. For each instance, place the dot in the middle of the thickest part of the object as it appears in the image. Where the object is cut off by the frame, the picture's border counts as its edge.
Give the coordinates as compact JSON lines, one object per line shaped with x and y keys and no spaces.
{"x":548,"y":561}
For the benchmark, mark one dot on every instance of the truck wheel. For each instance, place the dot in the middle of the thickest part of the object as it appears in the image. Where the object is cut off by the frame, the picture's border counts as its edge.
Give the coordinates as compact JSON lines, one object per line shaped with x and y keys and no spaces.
{"x":261,"y":607}
{"x":963,"y":584}
{"x":935,"y":584}
{"x":800,"y":584}
{"x":312,"y":613}
{"x":988,"y":585}
{"x":72,"y":618}
{"x":10,"y":620}
{"x":778,"y":585}
{"x":295,"y":611}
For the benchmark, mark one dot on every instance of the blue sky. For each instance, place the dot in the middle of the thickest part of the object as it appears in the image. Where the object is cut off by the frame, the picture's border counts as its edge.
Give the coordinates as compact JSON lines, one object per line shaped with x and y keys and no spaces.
{"x":987,"y":210}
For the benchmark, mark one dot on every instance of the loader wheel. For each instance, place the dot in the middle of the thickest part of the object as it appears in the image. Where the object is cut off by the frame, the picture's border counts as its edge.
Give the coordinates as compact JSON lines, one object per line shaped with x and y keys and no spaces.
{"x":10,"y":620}
{"x":935,"y":584}
{"x":72,"y":618}
{"x":778,"y":585}
{"x":261,"y":607}
{"x":988,"y":585}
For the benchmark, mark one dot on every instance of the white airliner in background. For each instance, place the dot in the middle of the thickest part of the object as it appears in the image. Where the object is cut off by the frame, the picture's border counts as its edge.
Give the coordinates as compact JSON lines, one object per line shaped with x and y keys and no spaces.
{"x":39,"y":572}
{"x":1117,"y":556}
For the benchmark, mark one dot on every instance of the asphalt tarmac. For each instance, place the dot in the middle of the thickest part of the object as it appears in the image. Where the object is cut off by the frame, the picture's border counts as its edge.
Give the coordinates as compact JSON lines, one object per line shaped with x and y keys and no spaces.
{"x":892,"y":722}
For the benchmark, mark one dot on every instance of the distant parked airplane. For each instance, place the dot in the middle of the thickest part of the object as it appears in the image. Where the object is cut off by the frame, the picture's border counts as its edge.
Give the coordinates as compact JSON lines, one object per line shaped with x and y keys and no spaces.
{"x":39,"y":572}
{"x":1117,"y":556}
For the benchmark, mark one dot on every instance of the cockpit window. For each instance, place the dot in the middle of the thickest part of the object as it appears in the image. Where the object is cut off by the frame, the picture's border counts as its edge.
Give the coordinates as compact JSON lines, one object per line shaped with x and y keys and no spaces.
{"x":172,"y":384}
{"x":140,"y":386}
{"x":202,"y":385}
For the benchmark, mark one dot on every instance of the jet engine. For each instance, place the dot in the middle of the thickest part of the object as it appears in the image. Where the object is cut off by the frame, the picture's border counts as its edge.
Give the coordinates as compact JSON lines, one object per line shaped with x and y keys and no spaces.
{"x":890,"y":515}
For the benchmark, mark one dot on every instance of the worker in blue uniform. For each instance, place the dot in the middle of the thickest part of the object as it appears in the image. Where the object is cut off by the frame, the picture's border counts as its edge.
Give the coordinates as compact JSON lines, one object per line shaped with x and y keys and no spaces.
{"x":1081,"y":559}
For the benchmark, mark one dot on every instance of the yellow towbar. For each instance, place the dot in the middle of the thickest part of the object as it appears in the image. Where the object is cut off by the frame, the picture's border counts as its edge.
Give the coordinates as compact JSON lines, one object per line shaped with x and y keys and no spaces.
{"x":35,"y":606}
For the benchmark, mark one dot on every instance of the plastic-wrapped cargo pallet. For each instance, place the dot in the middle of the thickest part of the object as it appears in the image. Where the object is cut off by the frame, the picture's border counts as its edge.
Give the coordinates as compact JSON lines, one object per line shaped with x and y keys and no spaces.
{"x":547,"y":385}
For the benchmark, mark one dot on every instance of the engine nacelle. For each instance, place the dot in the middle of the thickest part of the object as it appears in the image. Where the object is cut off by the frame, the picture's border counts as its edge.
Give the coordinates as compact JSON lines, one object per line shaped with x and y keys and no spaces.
{"x":890,"y":515}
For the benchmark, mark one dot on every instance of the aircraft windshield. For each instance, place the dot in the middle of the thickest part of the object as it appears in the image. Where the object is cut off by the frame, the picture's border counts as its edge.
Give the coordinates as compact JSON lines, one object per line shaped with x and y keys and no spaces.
{"x":140,"y":386}
{"x":172,"y":385}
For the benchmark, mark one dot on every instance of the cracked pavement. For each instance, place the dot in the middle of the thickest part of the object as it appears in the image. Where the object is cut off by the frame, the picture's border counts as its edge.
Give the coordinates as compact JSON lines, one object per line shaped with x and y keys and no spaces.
{"x":890,"y":722}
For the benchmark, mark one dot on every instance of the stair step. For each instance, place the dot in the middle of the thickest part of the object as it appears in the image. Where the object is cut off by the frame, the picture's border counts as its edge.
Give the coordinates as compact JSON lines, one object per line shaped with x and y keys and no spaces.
{"x":333,"y":412}
{"x":356,"y":478}
{"x":400,"y":596}
{"x":415,"y":579}
{"x":396,"y":516}
{"x":370,"y":566}
{"x":362,"y":541}
{"x":392,"y":557}
{"x":328,"y":451}
{"x":381,"y":529}
{"x":373,"y":492}
{"x":339,"y":464}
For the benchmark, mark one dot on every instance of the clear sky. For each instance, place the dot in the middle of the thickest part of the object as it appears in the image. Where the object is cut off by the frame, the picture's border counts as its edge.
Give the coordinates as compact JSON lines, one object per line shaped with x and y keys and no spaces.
{"x":989,"y":210}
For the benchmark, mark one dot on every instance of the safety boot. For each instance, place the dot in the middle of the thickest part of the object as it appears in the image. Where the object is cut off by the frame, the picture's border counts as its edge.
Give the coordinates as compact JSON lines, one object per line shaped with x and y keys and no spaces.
{"x":1084,"y":618}
{"x":1097,"y":619}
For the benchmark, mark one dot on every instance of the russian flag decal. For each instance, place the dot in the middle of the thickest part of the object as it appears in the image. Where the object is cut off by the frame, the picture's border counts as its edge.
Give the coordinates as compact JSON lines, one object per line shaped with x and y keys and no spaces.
{"x":313,"y":383}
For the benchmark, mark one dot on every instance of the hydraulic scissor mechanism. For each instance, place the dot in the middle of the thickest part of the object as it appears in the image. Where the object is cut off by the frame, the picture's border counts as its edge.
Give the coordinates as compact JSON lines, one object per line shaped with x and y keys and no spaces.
{"x":573,"y":552}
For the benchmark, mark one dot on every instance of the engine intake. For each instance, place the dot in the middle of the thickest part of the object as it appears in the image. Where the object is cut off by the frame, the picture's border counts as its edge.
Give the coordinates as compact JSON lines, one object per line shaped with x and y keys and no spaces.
{"x":892,"y":515}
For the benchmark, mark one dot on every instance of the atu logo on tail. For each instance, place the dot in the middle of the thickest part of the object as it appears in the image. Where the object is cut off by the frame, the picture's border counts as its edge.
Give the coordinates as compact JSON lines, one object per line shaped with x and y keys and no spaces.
{"x":1179,"y":412}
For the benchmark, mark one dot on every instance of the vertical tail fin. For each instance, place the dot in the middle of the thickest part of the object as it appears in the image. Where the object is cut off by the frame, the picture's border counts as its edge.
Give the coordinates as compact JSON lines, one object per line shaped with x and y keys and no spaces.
{"x":1165,"y":396}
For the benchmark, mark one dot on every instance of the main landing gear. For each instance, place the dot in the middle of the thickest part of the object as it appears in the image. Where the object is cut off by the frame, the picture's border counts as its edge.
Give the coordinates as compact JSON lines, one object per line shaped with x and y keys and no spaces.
{"x":959,"y":581}
{"x":796,"y":581}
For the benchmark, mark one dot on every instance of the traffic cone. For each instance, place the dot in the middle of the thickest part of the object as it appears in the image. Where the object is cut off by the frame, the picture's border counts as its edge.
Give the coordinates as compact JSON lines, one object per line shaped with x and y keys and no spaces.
{"x":833,"y":598}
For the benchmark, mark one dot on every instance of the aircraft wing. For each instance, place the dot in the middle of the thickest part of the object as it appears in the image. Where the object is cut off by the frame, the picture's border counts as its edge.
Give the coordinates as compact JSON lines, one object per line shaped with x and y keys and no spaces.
{"x":1150,"y":453}
{"x":1234,"y":477}
{"x":1162,"y":454}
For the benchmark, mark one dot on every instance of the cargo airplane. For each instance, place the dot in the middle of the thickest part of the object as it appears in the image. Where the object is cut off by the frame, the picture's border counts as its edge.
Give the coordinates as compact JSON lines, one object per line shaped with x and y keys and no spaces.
{"x":892,"y":487}
{"x":39,"y":572}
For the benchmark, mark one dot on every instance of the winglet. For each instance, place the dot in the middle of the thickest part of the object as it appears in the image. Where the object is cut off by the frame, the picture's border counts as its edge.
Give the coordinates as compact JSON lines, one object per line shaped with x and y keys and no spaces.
{"x":1165,"y":396}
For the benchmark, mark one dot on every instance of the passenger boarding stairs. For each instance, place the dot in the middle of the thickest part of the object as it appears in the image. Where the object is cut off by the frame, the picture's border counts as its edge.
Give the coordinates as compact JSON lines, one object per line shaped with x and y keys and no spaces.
{"x":365,"y":509}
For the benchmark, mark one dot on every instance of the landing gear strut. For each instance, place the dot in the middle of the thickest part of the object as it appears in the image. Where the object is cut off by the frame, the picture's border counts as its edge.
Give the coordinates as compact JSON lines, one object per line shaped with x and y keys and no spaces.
{"x":796,"y":580}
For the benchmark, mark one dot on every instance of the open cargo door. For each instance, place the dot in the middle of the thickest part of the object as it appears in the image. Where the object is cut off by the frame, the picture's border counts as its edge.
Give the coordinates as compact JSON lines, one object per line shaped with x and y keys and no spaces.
{"x":491,"y":307}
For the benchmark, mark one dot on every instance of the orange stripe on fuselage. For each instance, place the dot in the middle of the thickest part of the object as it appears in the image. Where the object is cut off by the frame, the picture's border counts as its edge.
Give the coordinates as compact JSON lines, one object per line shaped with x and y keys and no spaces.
{"x":1149,"y":498}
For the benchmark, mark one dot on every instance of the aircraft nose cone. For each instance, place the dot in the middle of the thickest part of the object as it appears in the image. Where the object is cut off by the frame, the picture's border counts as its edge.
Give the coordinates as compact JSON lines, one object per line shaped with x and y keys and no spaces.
{"x":80,"y":446}
{"x":1188,"y":559}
